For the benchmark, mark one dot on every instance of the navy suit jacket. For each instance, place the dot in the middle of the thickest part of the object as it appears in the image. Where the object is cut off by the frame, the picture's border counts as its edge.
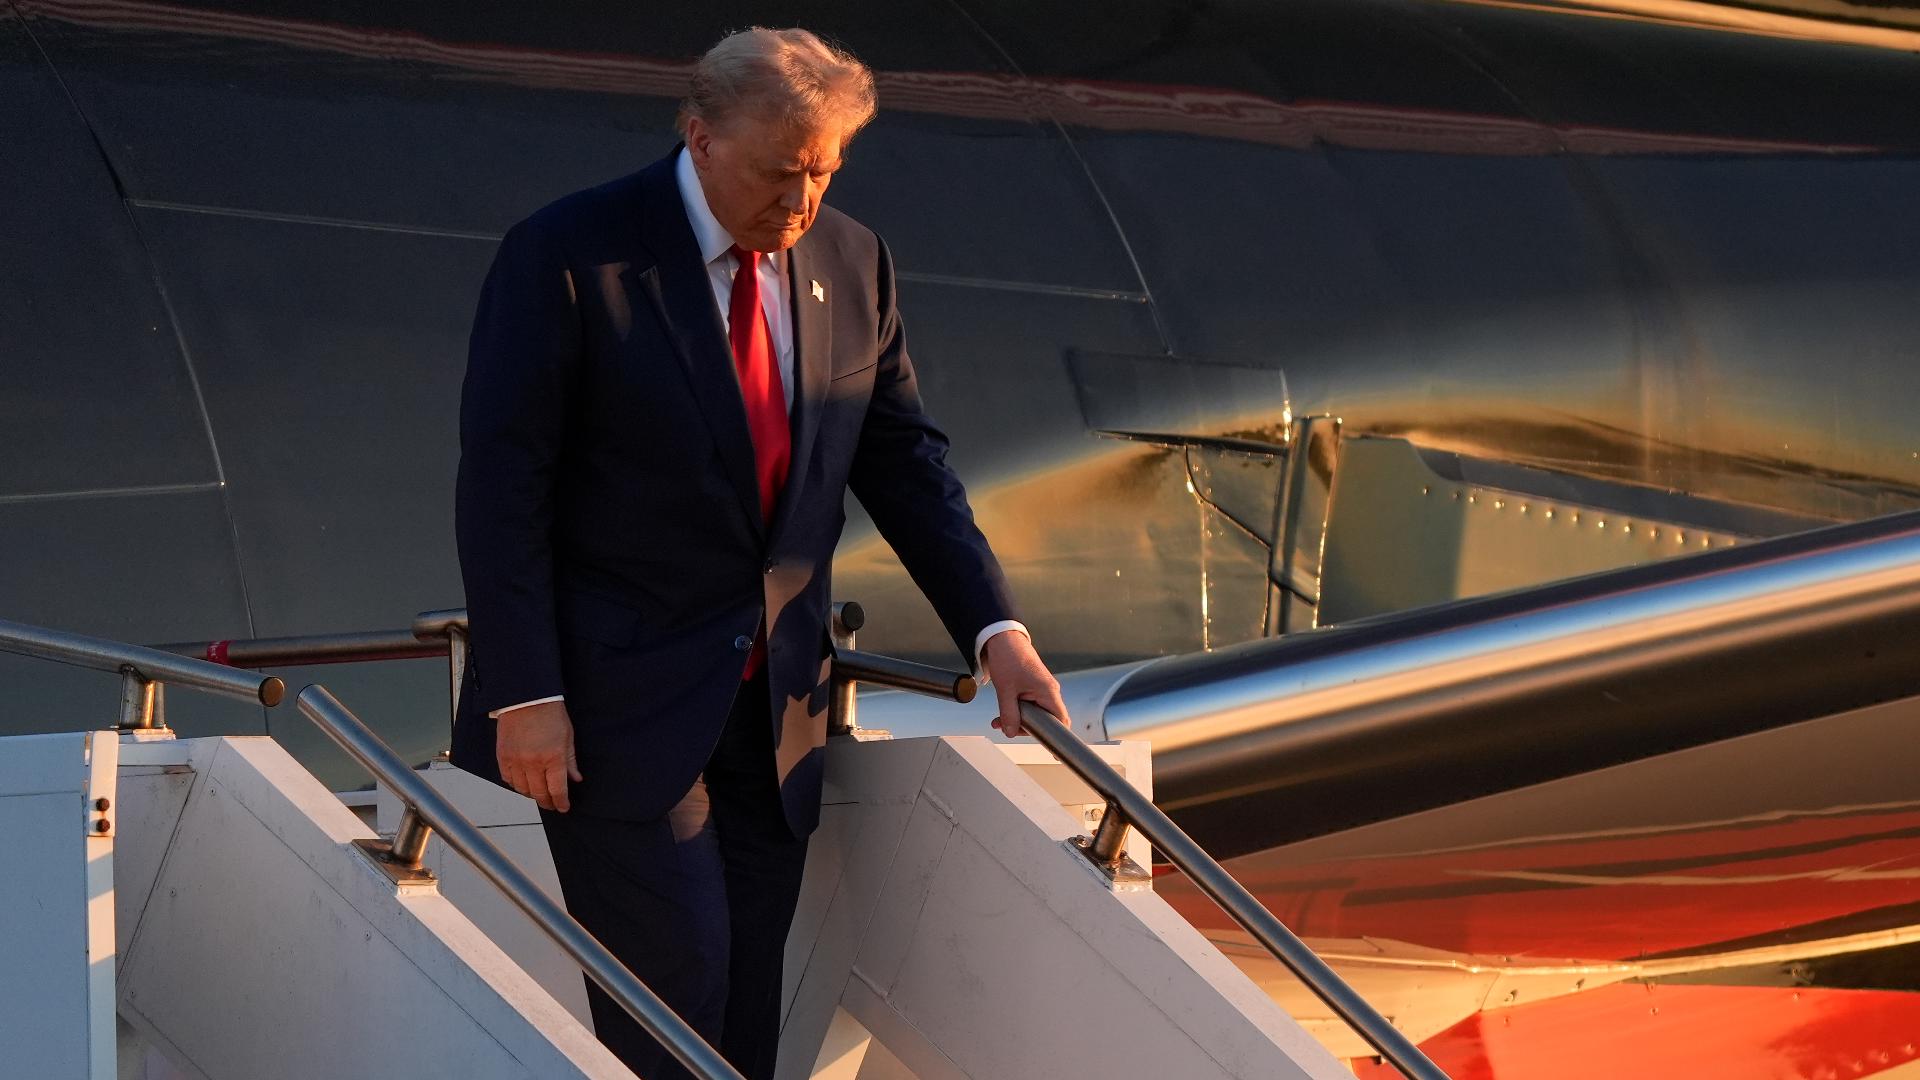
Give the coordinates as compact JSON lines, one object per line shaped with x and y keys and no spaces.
{"x":609,"y":528}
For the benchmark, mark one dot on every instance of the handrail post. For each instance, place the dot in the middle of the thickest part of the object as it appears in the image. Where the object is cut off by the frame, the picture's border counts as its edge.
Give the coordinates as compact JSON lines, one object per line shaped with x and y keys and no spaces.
{"x":849,"y":667}
{"x":143,"y":701}
{"x":1109,"y":846}
{"x":1106,"y":849}
{"x":448,"y":626}
{"x":410,"y":839}
{"x":143,"y":672}
{"x":842,"y":717}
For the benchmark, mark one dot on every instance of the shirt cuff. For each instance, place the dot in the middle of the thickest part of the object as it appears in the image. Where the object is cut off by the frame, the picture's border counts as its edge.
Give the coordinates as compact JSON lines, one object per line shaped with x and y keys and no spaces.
{"x":541,"y":701}
{"x":980,"y":675}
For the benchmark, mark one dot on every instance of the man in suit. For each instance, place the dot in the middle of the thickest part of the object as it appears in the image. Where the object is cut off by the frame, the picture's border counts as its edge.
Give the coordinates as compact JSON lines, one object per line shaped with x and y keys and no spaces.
{"x":673,"y":380}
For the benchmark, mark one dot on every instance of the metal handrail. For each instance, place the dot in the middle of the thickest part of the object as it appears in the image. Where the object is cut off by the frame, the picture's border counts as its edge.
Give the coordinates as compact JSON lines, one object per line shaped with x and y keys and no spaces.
{"x":905,"y":675}
{"x":1107,"y":849}
{"x":433,"y":634}
{"x":146,"y":669}
{"x":304,"y":649}
{"x":851,"y":667}
{"x":143,"y":671}
{"x":427,"y":809}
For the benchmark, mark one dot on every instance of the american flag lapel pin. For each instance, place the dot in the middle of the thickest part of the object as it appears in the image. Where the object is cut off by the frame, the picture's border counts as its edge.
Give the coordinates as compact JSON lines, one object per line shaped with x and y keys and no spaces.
{"x":819,"y":292}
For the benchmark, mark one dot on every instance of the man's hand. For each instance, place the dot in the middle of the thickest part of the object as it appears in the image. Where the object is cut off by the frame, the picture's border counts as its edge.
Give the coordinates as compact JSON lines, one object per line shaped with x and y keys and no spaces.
{"x":1018,"y":675}
{"x":535,"y":750}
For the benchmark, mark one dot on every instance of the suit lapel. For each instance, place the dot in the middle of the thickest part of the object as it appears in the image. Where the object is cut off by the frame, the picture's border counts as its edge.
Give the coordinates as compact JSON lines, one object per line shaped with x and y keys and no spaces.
{"x":813,"y":355}
{"x":677,"y":286}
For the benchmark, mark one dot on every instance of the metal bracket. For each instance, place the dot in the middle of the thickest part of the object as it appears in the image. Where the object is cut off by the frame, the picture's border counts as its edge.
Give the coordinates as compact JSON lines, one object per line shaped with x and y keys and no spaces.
{"x":846,"y":618}
{"x":1124,"y":874}
{"x":143,"y":701}
{"x":381,"y":853}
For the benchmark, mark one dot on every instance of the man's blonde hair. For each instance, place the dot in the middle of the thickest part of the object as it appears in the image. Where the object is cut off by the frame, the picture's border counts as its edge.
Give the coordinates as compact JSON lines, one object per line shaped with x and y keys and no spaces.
{"x":785,"y":75}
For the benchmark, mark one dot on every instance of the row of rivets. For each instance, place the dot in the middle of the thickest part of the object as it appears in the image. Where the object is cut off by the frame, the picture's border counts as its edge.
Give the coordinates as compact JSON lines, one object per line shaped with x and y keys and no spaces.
{"x":1573,"y":517}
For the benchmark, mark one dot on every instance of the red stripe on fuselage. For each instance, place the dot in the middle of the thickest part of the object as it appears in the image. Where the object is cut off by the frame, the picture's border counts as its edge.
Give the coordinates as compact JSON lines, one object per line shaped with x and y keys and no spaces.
{"x":1690,"y":1032}
{"x":1609,"y":897}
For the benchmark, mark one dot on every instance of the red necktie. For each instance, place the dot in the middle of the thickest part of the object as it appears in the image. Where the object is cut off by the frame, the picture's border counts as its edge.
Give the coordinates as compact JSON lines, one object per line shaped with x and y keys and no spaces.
{"x":765,"y":399}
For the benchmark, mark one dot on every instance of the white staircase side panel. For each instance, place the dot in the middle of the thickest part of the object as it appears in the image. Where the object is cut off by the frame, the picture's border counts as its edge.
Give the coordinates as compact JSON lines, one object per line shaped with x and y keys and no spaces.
{"x":945,"y":913}
{"x":269,"y":946}
{"x":56,"y":896}
{"x":143,"y":1059}
{"x":155,"y":778}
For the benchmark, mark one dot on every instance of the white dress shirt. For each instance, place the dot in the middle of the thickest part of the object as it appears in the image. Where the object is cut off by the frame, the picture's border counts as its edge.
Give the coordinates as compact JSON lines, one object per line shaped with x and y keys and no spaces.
{"x":716,"y":250}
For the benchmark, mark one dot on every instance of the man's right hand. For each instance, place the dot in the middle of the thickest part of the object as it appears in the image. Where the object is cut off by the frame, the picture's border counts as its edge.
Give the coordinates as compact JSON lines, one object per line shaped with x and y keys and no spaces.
{"x":535,"y":750}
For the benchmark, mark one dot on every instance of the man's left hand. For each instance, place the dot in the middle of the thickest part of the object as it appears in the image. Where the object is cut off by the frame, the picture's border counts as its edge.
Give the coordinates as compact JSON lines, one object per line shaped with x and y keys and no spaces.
{"x":1018,"y":675}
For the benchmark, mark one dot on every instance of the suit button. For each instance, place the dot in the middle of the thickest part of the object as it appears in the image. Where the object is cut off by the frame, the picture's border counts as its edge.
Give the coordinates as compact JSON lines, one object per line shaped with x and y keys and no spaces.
{"x":769,"y":566}
{"x":743,"y":643}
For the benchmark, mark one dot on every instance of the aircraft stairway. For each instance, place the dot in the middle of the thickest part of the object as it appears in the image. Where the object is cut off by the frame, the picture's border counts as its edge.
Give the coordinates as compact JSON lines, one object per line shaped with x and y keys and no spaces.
{"x":955,"y":924}
{"x":204,"y":908}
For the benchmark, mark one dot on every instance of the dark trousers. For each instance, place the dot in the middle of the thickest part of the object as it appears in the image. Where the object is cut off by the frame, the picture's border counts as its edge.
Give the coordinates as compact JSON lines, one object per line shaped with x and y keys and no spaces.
{"x":697,"y":903}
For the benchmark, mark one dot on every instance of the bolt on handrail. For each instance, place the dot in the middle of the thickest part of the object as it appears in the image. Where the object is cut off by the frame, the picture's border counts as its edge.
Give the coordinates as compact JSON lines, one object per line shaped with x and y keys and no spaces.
{"x":143,"y":671}
{"x":1127,"y":806}
{"x":428,"y":811}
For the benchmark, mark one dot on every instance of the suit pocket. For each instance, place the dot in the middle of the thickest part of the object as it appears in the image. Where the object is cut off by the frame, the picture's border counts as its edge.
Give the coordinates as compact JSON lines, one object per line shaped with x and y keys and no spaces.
{"x":596,"y":618}
{"x":868,"y":366}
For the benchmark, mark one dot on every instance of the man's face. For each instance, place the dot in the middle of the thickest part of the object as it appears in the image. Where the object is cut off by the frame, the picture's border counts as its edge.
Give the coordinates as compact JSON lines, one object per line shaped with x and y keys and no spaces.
{"x":763,"y":179}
